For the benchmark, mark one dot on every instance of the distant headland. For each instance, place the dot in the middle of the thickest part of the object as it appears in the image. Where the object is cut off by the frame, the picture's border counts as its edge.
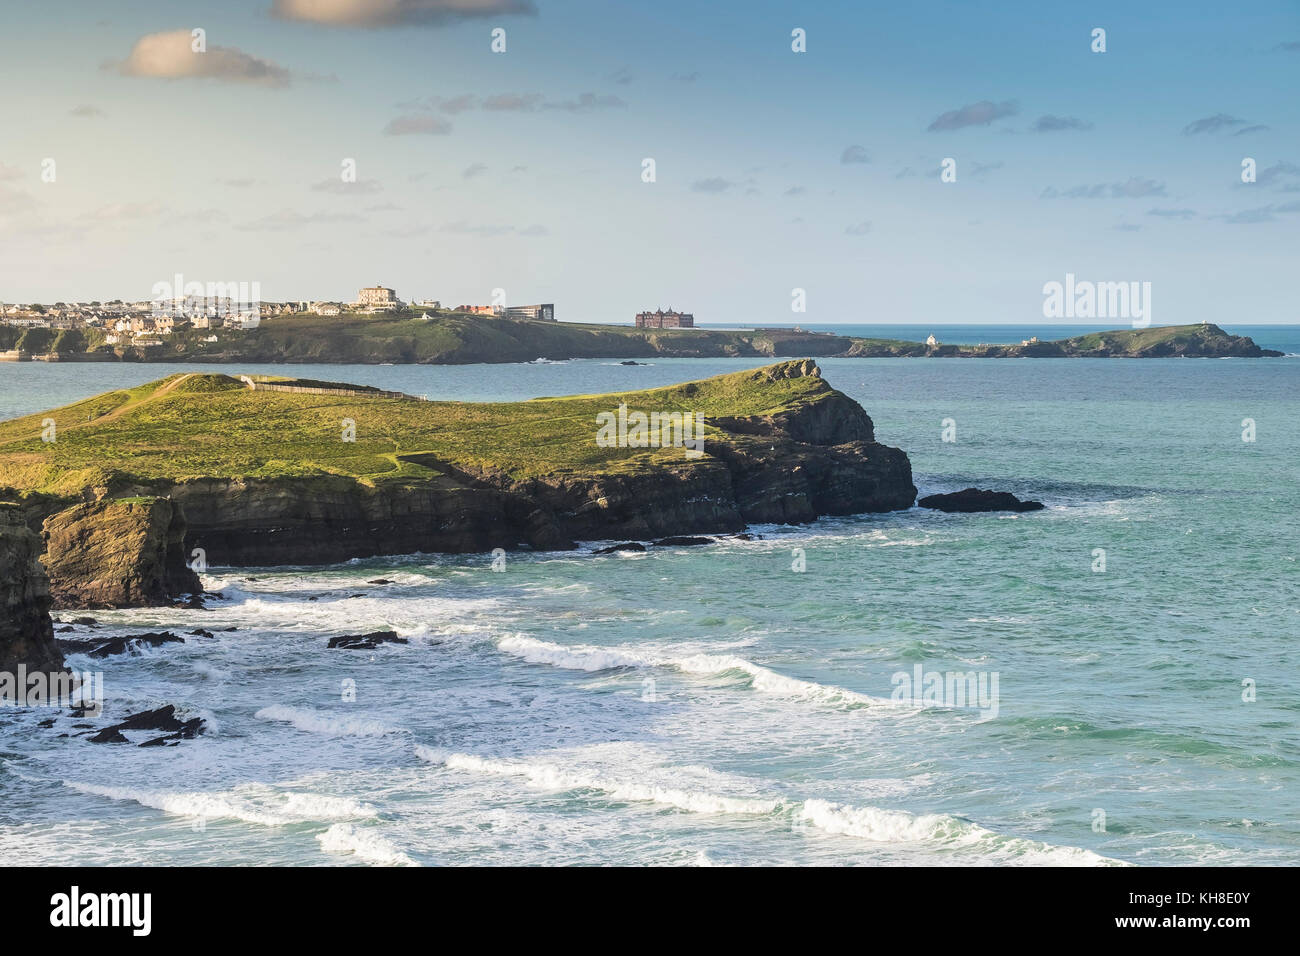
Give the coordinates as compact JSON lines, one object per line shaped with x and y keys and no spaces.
{"x":380,"y":328}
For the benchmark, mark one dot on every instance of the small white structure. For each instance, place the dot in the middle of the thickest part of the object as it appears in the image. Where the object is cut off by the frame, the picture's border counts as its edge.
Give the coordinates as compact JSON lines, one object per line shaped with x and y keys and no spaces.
{"x":931,"y":340}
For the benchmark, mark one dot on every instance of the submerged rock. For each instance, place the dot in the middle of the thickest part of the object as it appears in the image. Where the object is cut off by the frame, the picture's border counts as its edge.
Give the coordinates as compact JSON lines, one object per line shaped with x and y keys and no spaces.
{"x":366,"y":642}
{"x":131,"y":642}
{"x":970,"y":500}
{"x":625,"y":546}
{"x":682,"y":541}
{"x":163,"y":718}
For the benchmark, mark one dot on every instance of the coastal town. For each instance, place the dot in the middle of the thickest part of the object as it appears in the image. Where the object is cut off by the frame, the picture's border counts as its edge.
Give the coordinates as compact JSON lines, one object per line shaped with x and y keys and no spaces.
{"x":45,"y":330}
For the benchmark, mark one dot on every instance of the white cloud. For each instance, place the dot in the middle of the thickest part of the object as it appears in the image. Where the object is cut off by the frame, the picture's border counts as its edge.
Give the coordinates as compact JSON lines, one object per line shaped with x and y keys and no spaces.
{"x":171,"y":56}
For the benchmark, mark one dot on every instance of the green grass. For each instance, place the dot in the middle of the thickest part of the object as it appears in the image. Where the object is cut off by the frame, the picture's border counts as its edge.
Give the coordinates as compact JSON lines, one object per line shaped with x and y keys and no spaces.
{"x":205,"y":425}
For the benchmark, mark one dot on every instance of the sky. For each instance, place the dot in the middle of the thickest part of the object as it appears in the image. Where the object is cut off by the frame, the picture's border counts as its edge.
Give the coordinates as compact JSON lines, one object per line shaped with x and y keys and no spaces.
{"x":126,"y":157}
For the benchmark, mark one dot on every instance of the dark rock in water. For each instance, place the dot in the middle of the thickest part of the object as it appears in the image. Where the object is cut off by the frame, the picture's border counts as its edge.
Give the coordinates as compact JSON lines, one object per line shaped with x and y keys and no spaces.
{"x":163,"y":718}
{"x":626,"y":546}
{"x":65,"y":629}
{"x":200,"y":632}
{"x":85,"y":621}
{"x":366,"y":642}
{"x":630,"y":362}
{"x":970,"y":500}
{"x":380,"y":581}
{"x":46,"y":723}
{"x":109,"y":735}
{"x":681,"y":541}
{"x":124,"y":645}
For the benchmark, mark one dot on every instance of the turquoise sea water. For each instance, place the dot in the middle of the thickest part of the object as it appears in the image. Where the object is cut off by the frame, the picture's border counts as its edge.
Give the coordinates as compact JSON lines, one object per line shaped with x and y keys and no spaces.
{"x":714,"y":705}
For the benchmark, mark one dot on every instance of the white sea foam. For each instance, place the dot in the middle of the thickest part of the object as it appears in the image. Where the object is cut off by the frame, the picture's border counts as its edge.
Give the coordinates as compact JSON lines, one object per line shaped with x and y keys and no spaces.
{"x":250,"y":803}
{"x":346,"y":839}
{"x":935,"y":831}
{"x":316,"y":722}
{"x":549,"y":777}
{"x":944,"y":831}
{"x":589,"y":658}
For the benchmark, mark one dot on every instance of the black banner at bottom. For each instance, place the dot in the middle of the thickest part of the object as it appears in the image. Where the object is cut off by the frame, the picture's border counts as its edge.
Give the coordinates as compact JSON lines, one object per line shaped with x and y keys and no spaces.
{"x":333,"y":905}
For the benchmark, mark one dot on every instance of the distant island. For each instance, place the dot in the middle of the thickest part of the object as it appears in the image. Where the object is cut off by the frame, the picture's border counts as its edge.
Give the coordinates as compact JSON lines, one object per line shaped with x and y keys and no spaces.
{"x":413,"y":336}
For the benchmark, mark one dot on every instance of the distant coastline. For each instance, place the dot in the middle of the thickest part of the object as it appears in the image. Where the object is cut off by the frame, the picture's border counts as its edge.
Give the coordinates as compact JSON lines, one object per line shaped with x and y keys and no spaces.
{"x":453,"y":338}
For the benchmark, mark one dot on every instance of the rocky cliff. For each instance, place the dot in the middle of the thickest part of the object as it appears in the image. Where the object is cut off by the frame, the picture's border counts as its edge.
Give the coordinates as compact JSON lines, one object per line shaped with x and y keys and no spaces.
{"x":262,"y":477}
{"x":26,"y":633}
{"x":118,"y":553}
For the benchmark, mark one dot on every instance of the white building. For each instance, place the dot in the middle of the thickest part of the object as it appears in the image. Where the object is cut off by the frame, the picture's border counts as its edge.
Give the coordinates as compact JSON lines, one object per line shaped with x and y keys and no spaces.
{"x":931,"y":340}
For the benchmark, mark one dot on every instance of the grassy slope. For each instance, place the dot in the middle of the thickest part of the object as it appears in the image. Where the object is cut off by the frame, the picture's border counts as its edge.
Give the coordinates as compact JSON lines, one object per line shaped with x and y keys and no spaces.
{"x":201,"y":425}
{"x":458,"y":338}
{"x":1114,"y":341}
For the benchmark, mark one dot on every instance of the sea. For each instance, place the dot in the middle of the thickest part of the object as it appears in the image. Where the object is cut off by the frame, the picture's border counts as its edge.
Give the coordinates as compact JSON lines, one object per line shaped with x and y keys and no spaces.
{"x":750,"y":702}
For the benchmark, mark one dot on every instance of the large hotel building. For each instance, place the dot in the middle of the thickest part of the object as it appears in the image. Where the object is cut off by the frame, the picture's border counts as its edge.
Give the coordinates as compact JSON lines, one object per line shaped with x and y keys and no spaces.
{"x":659,"y":319}
{"x":378,"y":297}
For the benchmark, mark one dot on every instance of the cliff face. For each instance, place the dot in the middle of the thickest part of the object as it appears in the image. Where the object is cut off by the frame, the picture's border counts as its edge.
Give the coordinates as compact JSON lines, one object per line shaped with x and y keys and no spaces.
{"x":817,"y":459}
{"x":118,"y":553}
{"x":26,"y":633}
{"x":263,"y":478}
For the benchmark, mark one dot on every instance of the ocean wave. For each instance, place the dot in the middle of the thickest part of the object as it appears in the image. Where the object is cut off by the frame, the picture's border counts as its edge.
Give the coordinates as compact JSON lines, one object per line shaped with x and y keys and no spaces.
{"x":316,"y":722}
{"x":549,"y":777}
{"x":250,"y":803}
{"x":588,"y":658}
{"x":937,"y":830}
{"x":346,"y":839}
{"x":943,"y":830}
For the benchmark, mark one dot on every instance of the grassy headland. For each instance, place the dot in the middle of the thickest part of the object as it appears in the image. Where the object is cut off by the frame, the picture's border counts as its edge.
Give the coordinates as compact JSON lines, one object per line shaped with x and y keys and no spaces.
{"x":453,"y":338}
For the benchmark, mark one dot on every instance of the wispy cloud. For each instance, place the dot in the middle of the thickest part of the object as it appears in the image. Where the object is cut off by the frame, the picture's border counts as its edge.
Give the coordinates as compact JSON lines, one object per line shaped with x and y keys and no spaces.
{"x":336,"y":185}
{"x":715,"y":184}
{"x":974,"y":114}
{"x":417,"y":125}
{"x":1276,"y":173}
{"x":396,"y":13}
{"x":1048,"y":123}
{"x":1172,"y":213}
{"x":171,"y":56}
{"x":853,"y":155}
{"x":858,"y":229}
{"x":85,"y":111}
{"x":1212,"y":124}
{"x":464,"y":228}
{"x":1133,"y":188}
{"x":472,"y":170}
{"x":288,"y":219}
{"x":587,"y":102}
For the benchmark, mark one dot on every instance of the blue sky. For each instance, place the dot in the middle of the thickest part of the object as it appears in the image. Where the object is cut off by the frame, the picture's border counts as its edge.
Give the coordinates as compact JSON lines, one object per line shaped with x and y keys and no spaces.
{"x":775,"y":170}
